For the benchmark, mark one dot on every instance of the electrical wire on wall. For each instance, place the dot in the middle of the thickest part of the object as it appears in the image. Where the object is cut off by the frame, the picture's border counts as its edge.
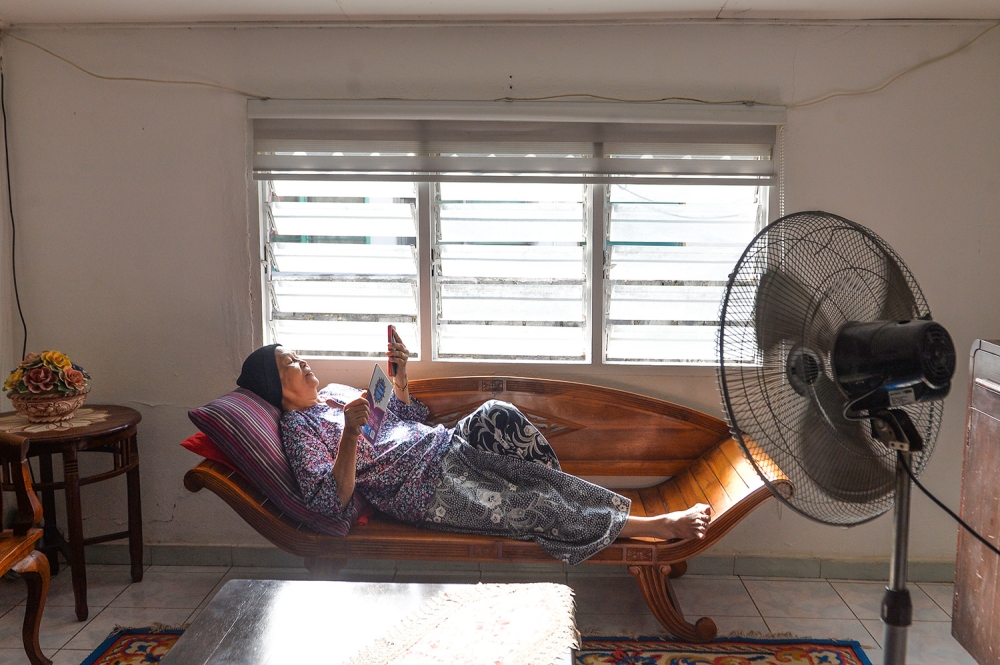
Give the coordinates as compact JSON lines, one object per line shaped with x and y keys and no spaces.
{"x":570,"y":95}
{"x":10,"y":200}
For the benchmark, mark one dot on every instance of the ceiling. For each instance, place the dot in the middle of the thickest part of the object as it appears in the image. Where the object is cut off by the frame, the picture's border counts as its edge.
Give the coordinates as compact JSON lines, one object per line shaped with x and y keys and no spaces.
{"x":21,"y":12}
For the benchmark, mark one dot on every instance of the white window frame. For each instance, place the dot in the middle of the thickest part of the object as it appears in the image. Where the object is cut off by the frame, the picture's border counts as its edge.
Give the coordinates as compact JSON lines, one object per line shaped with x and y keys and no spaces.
{"x":276,"y":110}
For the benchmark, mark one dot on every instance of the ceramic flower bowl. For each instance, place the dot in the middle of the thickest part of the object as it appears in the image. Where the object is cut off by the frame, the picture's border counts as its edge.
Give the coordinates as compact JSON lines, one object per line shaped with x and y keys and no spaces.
{"x":48,"y":408}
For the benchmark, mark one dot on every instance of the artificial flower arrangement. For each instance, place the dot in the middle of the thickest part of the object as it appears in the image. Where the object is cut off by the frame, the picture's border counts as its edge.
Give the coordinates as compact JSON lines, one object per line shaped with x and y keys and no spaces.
{"x":47,"y":372}
{"x":47,"y":387}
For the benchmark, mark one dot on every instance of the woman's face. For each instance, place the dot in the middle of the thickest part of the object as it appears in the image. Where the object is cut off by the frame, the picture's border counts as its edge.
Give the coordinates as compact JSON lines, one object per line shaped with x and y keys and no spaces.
{"x":298,"y":383}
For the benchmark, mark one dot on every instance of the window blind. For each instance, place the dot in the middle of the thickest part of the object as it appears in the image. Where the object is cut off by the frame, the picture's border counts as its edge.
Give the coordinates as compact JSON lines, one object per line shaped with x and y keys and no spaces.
{"x":581,"y":143}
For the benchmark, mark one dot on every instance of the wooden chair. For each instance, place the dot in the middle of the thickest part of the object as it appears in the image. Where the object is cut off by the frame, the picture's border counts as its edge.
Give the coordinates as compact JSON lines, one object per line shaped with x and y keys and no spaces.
{"x":596,"y":432}
{"x":17,"y":544}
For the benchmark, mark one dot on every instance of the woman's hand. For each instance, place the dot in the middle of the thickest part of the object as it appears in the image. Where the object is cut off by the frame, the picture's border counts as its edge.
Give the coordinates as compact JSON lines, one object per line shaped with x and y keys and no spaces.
{"x":355,"y":415}
{"x":345,"y":465}
{"x":398,"y":353}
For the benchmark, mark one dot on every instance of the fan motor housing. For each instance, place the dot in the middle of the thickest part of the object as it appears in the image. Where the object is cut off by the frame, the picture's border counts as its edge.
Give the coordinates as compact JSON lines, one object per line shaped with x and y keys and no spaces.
{"x":893,"y":363}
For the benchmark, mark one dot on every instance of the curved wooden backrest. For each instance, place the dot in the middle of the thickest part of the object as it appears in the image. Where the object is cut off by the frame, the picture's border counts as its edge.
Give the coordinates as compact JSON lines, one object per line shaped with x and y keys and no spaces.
{"x":595,"y":431}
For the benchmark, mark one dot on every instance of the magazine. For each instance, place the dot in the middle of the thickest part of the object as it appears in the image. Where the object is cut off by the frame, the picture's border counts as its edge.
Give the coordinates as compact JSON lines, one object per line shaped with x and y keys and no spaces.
{"x":379,"y":392}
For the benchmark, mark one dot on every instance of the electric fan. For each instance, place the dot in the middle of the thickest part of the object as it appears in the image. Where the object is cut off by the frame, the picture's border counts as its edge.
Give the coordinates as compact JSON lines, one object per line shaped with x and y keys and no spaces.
{"x":832,"y":373}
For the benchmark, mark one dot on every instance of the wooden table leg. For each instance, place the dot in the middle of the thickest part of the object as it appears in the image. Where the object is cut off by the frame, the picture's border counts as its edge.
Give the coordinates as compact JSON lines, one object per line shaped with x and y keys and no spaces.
{"x":134,"y":513}
{"x":51,"y":537}
{"x":74,"y":525}
{"x":34,"y":568}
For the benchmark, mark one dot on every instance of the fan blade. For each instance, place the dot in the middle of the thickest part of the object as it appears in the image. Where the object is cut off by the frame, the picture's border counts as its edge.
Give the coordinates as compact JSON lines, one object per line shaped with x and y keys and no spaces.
{"x":837,"y":453}
{"x":899,"y":304}
{"x":783,"y":308}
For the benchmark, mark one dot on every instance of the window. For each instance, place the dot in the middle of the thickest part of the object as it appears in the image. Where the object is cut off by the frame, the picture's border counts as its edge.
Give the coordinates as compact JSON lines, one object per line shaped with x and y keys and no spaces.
{"x":670,"y":249}
{"x":528,"y":240}
{"x":341,"y":264}
{"x":510,"y":271}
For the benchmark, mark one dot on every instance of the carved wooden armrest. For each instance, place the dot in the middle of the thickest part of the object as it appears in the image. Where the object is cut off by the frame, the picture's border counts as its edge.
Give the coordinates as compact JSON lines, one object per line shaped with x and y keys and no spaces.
{"x":14,"y":452}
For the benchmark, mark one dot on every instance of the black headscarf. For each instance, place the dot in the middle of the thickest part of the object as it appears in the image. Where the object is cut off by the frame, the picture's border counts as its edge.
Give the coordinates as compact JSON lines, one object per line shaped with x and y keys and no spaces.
{"x":260,"y":375}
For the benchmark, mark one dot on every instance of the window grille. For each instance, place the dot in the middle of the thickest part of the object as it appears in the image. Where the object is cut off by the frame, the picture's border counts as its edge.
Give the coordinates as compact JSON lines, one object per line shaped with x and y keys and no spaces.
{"x":669,"y":250}
{"x":341,"y":265}
{"x":510,"y":271}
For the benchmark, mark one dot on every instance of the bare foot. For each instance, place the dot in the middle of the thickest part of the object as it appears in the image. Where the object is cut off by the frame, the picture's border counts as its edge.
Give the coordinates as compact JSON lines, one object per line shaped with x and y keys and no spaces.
{"x":683,"y":524}
{"x":690,"y":523}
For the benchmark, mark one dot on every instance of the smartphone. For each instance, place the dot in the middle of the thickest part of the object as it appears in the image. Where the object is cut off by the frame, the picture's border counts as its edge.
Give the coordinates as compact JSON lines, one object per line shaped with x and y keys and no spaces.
{"x":392,"y":338}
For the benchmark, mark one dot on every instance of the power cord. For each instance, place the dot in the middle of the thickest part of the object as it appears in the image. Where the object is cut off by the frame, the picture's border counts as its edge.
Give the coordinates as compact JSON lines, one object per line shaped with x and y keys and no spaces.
{"x":946,"y":508}
{"x":137,"y":78}
{"x":10,"y":200}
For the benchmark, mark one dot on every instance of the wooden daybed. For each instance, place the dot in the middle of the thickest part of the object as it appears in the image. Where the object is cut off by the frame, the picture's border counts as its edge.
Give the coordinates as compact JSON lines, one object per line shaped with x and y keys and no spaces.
{"x":596,"y":432}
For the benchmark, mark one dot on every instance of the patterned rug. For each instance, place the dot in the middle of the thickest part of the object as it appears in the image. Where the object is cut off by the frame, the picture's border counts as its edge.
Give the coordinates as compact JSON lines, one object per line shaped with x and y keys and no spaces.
{"x":724,"y":651}
{"x":144,"y":646}
{"x":134,"y":646}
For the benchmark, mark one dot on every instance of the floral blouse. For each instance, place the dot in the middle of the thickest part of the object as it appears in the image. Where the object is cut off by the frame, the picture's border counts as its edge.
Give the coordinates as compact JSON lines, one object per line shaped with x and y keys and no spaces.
{"x":397,"y":474}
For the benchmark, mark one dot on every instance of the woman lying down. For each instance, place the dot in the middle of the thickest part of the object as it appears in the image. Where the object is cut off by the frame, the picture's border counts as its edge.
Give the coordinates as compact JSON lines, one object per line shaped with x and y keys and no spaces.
{"x":492,"y":474}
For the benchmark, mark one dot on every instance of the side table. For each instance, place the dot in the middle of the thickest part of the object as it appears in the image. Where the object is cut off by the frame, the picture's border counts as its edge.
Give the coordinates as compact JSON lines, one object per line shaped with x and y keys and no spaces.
{"x":94,"y":428}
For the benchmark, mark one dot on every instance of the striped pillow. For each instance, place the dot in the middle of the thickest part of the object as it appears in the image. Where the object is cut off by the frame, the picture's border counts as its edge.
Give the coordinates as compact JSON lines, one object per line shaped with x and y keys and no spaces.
{"x":247,"y":430}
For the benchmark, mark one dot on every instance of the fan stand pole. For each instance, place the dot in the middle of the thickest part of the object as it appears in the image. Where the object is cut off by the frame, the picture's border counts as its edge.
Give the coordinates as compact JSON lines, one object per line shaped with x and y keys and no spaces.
{"x":897,"y":609}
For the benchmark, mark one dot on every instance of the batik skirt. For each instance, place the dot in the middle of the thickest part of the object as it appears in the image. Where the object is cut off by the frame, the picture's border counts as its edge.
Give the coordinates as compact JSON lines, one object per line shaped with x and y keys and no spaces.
{"x":502,"y":478}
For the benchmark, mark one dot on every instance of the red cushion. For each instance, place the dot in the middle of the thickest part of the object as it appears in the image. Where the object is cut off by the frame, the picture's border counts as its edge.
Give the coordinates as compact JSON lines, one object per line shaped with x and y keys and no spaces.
{"x":200,"y":444}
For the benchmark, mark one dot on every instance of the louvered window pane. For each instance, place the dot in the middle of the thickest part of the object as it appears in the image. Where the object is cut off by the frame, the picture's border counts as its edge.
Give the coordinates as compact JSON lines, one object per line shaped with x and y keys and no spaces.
{"x":670,"y":249}
{"x":510,"y":271}
{"x":342,"y":265}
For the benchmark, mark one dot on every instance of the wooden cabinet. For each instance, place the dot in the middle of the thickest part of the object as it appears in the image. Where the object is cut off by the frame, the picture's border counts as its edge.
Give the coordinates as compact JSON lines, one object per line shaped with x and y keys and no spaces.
{"x":976,"y":617}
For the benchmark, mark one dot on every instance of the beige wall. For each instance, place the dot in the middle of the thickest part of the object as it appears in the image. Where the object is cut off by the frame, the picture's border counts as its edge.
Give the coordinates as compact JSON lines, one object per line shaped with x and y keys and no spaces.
{"x":137,"y":243}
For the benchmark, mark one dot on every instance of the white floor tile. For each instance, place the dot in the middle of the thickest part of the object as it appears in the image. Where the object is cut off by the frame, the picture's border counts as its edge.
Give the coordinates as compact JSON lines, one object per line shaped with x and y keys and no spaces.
{"x":875,"y":656}
{"x":865,"y":600}
{"x":713,"y":596}
{"x":69,"y":656}
{"x":823,"y":629}
{"x":17,"y":657}
{"x":618,"y":625}
{"x":608,"y":595}
{"x":59,"y":625}
{"x":739,"y":626}
{"x":804,"y":599}
{"x":941,"y":593}
{"x":104,"y":584}
{"x":176,"y":590}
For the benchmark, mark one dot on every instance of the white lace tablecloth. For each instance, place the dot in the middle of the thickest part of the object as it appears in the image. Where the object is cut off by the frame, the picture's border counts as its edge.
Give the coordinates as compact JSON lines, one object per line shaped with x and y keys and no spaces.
{"x":499,"y":624}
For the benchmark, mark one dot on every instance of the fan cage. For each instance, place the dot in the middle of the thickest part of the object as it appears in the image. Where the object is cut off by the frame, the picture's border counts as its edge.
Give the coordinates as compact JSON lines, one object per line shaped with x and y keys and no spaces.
{"x":850,"y":275}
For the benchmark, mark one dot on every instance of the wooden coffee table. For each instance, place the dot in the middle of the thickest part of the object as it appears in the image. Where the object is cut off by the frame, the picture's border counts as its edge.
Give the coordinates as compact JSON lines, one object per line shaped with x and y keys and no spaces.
{"x":252,"y":622}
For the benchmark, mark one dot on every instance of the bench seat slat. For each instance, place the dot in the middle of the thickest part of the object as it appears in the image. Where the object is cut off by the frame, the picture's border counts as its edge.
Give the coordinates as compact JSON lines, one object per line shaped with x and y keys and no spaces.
{"x":727,"y":474}
{"x":690,"y":489}
{"x":652,"y":502}
{"x":711,"y":487}
{"x":731,"y":449}
{"x":672,"y":496}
